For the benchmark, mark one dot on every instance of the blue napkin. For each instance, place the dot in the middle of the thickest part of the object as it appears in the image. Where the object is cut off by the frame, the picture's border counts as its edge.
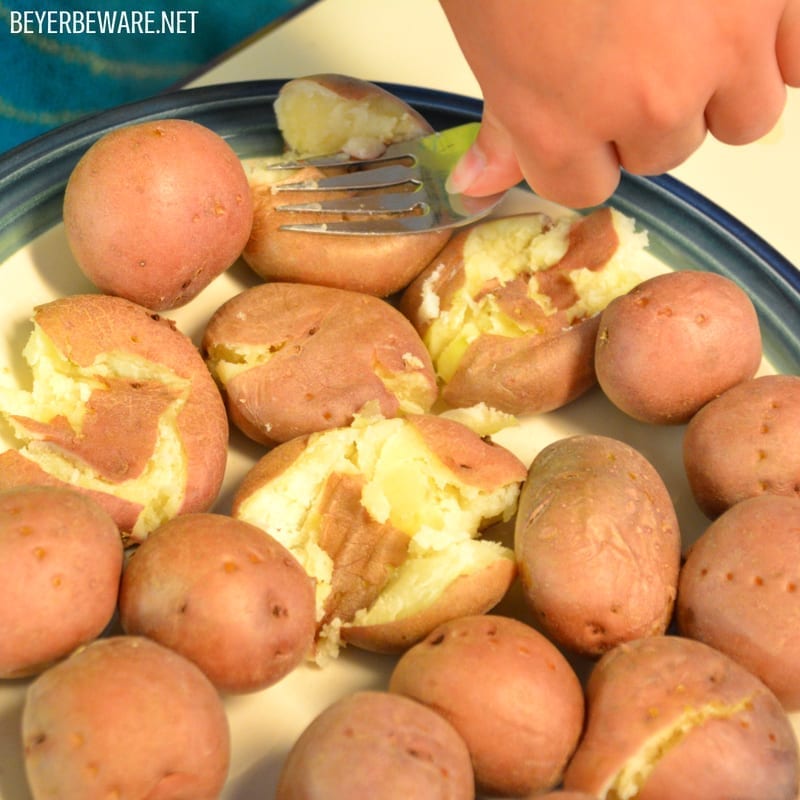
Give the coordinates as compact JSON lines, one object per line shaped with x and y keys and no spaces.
{"x":62,"y":61}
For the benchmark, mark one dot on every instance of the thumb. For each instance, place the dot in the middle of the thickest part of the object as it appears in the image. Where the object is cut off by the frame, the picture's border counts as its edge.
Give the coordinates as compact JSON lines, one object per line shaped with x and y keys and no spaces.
{"x":489,"y":166}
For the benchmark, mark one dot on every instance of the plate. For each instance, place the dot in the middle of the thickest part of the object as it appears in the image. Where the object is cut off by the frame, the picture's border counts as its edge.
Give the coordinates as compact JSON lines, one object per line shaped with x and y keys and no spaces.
{"x":685,"y":231}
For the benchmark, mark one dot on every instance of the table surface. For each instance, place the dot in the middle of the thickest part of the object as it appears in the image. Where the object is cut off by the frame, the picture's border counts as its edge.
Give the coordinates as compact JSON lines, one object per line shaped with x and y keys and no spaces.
{"x":371,"y":40}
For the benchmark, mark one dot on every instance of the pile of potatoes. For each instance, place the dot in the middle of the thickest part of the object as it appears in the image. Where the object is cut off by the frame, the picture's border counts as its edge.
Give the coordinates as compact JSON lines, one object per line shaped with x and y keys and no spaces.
{"x":548,"y":628}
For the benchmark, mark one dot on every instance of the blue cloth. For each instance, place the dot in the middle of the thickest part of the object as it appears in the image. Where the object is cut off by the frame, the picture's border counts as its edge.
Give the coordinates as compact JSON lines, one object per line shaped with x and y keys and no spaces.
{"x":62,"y":61}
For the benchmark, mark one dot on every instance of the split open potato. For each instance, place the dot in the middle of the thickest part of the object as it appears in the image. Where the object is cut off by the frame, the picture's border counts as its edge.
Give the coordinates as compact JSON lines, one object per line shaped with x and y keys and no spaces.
{"x":122,"y":407}
{"x":385,"y":515}
{"x":318,"y":115}
{"x":509,"y":308}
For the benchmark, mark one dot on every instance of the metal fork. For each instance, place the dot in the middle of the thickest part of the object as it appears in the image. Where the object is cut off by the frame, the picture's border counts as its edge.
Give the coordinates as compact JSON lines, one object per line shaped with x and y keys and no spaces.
{"x":418,"y":168}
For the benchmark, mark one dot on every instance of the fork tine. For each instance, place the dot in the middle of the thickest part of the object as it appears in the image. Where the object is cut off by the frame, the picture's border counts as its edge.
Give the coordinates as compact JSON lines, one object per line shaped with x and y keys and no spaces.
{"x":384,"y":203}
{"x":418,"y":223}
{"x":378,"y":178}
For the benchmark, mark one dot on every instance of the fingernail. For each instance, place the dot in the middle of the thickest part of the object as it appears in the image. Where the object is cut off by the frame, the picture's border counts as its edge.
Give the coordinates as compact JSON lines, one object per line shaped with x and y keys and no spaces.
{"x":466,"y":171}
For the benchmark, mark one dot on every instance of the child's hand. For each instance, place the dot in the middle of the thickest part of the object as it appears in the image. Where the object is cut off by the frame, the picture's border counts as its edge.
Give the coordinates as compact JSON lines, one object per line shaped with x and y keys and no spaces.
{"x":576,"y":89}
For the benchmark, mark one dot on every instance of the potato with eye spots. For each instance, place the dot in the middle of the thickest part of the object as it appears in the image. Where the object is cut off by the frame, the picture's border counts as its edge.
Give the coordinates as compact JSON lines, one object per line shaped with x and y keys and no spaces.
{"x":739,"y":590}
{"x":225,"y":595}
{"x":597,"y":543}
{"x":295,"y":358}
{"x":377,"y":745}
{"x":669,"y":717}
{"x":507,"y":690}
{"x":60,"y":566}
{"x":125,"y":717}
{"x":674,"y":342}
{"x":154,"y":211}
{"x":509,"y":309}
{"x":745,"y":443}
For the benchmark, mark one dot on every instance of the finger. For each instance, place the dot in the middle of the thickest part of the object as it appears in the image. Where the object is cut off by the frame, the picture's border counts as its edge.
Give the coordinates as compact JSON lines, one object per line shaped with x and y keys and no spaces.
{"x":489,"y":166}
{"x":787,"y":44}
{"x":749,"y":106}
{"x":656,"y":153}
{"x":586,"y":176}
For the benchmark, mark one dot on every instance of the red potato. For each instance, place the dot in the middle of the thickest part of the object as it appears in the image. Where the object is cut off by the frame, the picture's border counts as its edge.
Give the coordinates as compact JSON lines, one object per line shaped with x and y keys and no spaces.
{"x":125,"y":717}
{"x":597,"y":543}
{"x":121,"y":407}
{"x":744,"y":443}
{"x":380,"y":746}
{"x":508,"y":692}
{"x":293,"y":359}
{"x":675,"y":342}
{"x":225,"y":595}
{"x":739,"y":590}
{"x":509,"y":308}
{"x":669,"y":717}
{"x":60,"y":567}
{"x":154,"y":211}
{"x":388,"y":516}
{"x":318,"y":115}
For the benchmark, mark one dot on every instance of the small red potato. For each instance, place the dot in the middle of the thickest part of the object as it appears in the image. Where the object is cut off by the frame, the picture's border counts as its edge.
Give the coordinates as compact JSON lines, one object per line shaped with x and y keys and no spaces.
{"x":675,"y":342}
{"x":669,"y":717}
{"x":318,"y":115}
{"x":387,"y":515}
{"x":154,"y":211}
{"x":738,"y":590}
{"x":121,"y":407}
{"x":744,"y":443}
{"x":377,"y":745}
{"x":60,"y":567}
{"x":562,"y":794}
{"x":597,"y":543}
{"x":509,"y":308}
{"x":125,"y":717}
{"x":225,"y":595}
{"x":293,"y":359}
{"x":509,"y":693}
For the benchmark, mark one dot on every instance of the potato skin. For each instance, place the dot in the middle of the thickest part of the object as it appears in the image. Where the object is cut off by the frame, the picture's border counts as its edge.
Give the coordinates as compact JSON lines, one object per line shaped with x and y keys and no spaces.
{"x":509,"y":693}
{"x":118,"y":443}
{"x":675,"y":342}
{"x":744,"y":443}
{"x":738,"y":590}
{"x":125,"y":715}
{"x":333,"y":352}
{"x":60,"y":567}
{"x":597,"y":544}
{"x":225,"y":595}
{"x":377,"y":745}
{"x":154,"y":211}
{"x":345,"y":262}
{"x":724,"y":733}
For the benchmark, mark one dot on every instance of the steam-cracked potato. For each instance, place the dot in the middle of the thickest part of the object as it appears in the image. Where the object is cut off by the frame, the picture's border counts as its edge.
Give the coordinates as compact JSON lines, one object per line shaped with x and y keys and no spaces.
{"x":124,"y":717}
{"x":121,"y":407}
{"x":318,"y":115}
{"x":669,"y":717}
{"x":675,"y":342}
{"x":293,"y":359}
{"x":60,"y":566}
{"x":745,"y":443}
{"x":385,"y":515}
{"x":597,"y":544}
{"x":509,"y":308}
{"x":154,"y":211}
{"x":738,"y":590}
{"x":225,"y":595}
